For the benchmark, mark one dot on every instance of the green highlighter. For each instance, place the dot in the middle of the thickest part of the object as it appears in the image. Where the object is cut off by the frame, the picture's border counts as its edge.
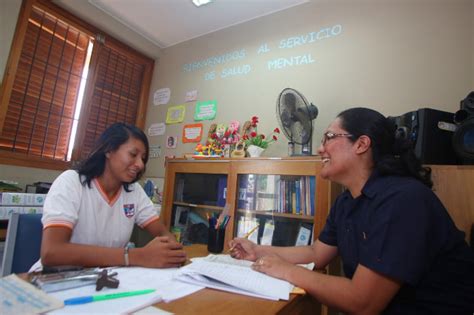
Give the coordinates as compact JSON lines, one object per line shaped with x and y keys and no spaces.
{"x":103,"y":297}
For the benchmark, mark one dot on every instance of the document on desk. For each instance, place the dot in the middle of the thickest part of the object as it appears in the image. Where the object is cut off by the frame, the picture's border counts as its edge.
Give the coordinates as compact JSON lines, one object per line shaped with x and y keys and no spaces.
{"x":225,"y":273}
{"x":131,"y":278}
{"x":19,"y":297}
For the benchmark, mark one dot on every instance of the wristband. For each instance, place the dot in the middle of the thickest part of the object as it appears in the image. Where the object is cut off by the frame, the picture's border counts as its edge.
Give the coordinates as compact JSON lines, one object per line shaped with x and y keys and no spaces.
{"x":125,"y":256}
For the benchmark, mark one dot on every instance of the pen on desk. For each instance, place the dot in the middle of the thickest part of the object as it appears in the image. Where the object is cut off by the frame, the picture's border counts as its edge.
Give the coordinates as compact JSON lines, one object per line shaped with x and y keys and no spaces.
{"x":103,"y":297}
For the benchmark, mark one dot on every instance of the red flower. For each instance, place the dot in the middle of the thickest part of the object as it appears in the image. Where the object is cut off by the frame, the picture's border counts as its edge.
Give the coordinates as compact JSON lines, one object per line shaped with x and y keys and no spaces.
{"x":260,"y":140}
{"x":254,"y":121}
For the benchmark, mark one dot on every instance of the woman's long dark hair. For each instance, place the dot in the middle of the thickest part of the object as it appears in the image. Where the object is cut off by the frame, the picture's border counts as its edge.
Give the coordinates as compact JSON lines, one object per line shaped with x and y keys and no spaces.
{"x":391,"y":155}
{"x":110,"y":140}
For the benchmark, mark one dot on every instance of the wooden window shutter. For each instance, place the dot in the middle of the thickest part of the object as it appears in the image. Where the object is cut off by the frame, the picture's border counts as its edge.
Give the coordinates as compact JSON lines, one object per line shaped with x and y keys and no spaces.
{"x":116,"y":94}
{"x":40,"y":111}
{"x":40,"y":89}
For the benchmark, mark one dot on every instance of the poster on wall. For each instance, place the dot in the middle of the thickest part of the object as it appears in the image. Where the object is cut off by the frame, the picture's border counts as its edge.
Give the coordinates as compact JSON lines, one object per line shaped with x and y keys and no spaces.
{"x":175,"y":114}
{"x":161,"y":96}
{"x":171,"y":142}
{"x":191,"y":96}
{"x":192,"y":133}
{"x":157,"y":129}
{"x":205,"y":110}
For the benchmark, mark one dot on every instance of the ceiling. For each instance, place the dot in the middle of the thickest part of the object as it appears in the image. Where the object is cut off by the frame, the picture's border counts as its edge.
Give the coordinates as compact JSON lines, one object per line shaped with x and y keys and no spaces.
{"x":169,"y":22}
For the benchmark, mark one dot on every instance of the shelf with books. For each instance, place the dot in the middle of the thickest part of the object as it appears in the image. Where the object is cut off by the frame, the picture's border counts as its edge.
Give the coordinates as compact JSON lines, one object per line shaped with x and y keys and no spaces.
{"x":192,"y":205}
{"x":301,"y":217}
{"x":285,"y":197}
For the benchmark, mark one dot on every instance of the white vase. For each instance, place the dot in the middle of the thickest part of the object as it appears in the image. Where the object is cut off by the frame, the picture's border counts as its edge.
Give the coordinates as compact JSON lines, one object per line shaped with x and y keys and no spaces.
{"x":254,"y":151}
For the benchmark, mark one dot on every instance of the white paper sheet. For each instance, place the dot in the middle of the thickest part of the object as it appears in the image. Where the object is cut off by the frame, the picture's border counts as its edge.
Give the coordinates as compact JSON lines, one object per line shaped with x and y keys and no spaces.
{"x":19,"y":297}
{"x":234,"y":277}
{"x":132,"y":278}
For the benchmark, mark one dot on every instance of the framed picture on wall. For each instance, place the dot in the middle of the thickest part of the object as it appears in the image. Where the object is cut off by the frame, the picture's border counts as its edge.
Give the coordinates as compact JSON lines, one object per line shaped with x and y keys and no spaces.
{"x":171,"y":142}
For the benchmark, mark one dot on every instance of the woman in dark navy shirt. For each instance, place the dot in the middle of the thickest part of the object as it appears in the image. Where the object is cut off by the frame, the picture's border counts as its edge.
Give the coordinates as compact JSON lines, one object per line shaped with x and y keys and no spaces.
{"x":401,"y":252}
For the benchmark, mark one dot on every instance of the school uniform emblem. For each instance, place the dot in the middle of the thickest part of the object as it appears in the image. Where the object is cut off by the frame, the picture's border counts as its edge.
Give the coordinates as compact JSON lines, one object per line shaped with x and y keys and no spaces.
{"x":129,"y":210}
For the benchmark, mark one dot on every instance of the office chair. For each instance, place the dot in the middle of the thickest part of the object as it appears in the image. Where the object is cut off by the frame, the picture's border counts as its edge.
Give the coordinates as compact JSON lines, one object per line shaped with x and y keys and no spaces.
{"x":23,"y":243}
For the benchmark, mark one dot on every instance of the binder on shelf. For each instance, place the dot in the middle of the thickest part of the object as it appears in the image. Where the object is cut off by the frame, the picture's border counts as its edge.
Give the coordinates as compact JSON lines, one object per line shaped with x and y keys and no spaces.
{"x":181,"y":217}
{"x":267,"y":235}
{"x":247,"y":186}
{"x":266,"y":192}
{"x":312,"y":189}
{"x":179,"y":190}
{"x":221,"y":191}
{"x":285,"y":233}
{"x":304,"y":235}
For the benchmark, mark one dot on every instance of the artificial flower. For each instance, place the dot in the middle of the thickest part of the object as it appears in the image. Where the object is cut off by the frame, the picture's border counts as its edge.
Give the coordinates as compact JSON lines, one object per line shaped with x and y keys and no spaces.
{"x":260,"y":140}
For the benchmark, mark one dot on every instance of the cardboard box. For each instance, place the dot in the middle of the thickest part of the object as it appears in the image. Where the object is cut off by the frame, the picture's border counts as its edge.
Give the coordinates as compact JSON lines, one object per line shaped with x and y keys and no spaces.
{"x":10,"y":198}
{"x":21,"y":199}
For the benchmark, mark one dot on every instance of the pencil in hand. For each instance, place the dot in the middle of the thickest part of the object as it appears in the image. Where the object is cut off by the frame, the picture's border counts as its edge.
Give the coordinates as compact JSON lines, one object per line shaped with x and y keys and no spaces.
{"x":251,"y":231}
{"x":246,"y":236}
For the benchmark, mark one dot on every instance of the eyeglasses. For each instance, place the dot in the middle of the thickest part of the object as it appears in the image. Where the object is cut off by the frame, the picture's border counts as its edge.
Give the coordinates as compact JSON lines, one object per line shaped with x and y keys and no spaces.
{"x":331,"y":135}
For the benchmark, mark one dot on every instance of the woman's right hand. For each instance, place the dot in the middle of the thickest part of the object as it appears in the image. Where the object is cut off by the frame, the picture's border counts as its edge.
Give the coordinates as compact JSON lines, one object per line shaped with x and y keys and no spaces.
{"x":162,"y":252}
{"x":242,"y":248}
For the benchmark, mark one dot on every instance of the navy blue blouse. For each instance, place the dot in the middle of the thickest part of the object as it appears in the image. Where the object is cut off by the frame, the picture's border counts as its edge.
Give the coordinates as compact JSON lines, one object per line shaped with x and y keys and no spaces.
{"x":398,"y":227}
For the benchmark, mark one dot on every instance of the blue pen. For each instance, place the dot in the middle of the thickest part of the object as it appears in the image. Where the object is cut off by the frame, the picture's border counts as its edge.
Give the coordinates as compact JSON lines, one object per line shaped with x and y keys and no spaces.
{"x":103,"y":297}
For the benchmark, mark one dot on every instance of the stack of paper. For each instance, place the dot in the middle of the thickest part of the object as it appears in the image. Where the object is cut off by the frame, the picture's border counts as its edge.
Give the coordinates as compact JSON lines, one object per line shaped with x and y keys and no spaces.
{"x":225,"y":273}
{"x":131,"y":278}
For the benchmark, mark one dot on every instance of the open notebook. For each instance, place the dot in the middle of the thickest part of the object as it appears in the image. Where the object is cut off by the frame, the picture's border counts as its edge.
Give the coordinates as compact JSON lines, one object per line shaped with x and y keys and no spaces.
{"x":223,"y":272}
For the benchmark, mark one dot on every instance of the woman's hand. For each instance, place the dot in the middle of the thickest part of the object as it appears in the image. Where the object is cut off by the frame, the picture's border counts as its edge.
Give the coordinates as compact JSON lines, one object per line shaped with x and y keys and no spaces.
{"x":162,"y":252}
{"x":242,"y":248}
{"x":274,"y":266}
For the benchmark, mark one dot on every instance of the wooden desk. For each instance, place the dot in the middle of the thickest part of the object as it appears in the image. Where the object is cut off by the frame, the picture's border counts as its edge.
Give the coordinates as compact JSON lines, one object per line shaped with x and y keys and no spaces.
{"x":210,"y":301}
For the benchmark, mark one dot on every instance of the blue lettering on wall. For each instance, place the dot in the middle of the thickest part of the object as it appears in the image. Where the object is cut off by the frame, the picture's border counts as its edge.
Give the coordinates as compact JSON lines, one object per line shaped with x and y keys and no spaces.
{"x":281,"y":63}
{"x":263,"y":49}
{"x":239,"y":70}
{"x":215,"y":60}
{"x":273,"y":64}
{"x":311,"y":37}
{"x":210,"y":76}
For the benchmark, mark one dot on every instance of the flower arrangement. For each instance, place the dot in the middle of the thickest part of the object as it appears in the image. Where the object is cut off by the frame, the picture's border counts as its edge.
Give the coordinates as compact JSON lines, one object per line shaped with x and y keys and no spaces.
{"x":252,"y":137}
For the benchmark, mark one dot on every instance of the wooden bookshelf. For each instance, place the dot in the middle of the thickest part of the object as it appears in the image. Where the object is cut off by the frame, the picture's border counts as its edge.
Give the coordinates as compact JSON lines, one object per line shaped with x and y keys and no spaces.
{"x":233,"y":169}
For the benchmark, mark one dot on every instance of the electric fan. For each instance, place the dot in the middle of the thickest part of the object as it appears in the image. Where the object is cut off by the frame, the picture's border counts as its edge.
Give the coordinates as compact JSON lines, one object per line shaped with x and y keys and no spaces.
{"x":295,"y":116}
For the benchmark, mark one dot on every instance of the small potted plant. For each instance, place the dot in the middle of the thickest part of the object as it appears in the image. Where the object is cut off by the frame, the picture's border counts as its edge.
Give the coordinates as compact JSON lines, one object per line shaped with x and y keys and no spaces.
{"x":254,"y":142}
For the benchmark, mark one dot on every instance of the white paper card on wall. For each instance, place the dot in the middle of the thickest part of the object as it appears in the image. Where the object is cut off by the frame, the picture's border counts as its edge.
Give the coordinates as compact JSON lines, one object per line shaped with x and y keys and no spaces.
{"x":191,"y":96}
{"x":161,"y":96}
{"x":157,"y":129}
{"x":155,"y":151}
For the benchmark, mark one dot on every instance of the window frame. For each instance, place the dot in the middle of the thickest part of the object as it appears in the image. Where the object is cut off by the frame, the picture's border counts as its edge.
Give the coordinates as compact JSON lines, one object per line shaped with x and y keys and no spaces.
{"x":21,"y":159}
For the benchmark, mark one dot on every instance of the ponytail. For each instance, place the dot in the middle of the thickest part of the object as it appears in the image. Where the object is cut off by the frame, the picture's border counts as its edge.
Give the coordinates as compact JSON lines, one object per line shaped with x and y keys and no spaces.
{"x":391,"y":154}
